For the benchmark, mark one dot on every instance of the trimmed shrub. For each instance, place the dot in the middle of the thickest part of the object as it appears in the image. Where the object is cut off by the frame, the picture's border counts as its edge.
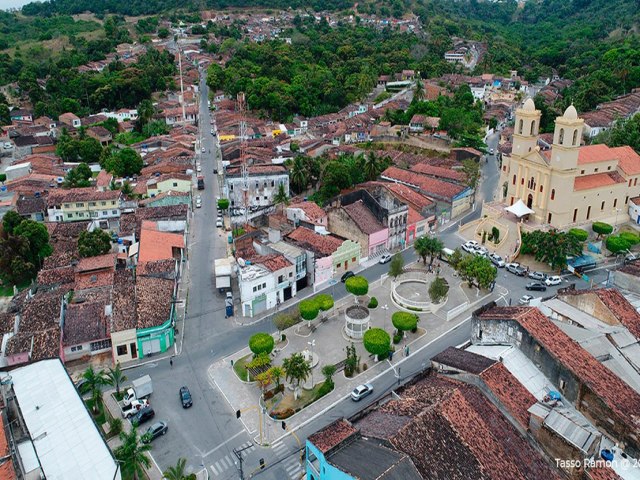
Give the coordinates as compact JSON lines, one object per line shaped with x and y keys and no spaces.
{"x":309,"y":309}
{"x":414,"y":330}
{"x":602,"y":228}
{"x":630,"y":237}
{"x":373,"y":303}
{"x":261,"y":343}
{"x":397,"y":338}
{"x":616,"y":244}
{"x":260,"y":360}
{"x":495,"y":235}
{"x":324,"y":301}
{"x":283,"y":337}
{"x":357,"y":285}
{"x":404,"y":321}
{"x":579,"y":234}
{"x":377,"y":341}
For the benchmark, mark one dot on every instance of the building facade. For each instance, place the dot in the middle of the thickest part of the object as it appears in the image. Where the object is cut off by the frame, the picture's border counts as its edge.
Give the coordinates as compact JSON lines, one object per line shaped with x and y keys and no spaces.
{"x":81,"y":204}
{"x":263,"y":184}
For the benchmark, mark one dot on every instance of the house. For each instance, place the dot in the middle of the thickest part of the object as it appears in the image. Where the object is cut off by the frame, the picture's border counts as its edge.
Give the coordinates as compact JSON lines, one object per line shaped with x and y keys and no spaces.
{"x":634,"y":209}
{"x":299,"y":257}
{"x":87,"y":203}
{"x":31,"y":207}
{"x":263,"y":184}
{"x":180,"y":115}
{"x":101,"y":134}
{"x":420,"y":123}
{"x":70,"y":120}
{"x":265,"y":282}
{"x":21,"y":115}
{"x":309,"y":212}
{"x":356,"y":222}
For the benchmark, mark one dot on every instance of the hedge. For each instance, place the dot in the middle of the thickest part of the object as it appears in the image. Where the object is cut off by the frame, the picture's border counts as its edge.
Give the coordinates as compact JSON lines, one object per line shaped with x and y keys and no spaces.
{"x":309,"y":309}
{"x":404,"y":321}
{"x":630,"y":237}
{"x":616,"y":244}
{"x":578,"y":233}
{"x":261,"y":343}
{"x":377,"y":341}
{"x":324,"y":301}
{"x":357,"y":285}
{"x":602,"y":228}
{"x":373,"y":303}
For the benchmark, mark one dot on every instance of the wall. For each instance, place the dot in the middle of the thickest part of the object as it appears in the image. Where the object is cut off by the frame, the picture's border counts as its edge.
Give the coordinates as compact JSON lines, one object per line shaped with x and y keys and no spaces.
{"x":378,"y":241}
{"x":176,"y":185}
{"x":557,"y":447}
{"x":75,"y":211}
{"x":343,"y":257}
{"x":323,"y":269}
{"x":323,"y":467}
{"x":591,"y":304}
{"x":626,"y":281}
{"x":341,"y":224}
{"x":125,"y":338}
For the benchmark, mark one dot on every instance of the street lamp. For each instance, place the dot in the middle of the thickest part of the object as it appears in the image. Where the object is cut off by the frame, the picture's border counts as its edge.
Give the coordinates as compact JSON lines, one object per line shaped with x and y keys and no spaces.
{"x":618,"y":210}
{"x":312,"y":343}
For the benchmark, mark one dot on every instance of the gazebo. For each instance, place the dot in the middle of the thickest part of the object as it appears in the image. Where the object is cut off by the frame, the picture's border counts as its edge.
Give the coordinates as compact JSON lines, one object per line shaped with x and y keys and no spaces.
{"x":519,"y":209}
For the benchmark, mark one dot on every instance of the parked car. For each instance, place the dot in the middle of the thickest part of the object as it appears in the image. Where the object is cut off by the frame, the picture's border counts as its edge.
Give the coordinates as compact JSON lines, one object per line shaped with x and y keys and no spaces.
{"x":491,"y":151}
{"x":497,"y":260}
{"x":481,"y":252}
{"x":203,"y":150}
{"x":537,"y":286}
{"x":198,"y":168}
{"x":553,"y":280}
{"x":470,"y":246}
{"x":154,"y":431}
{"x":385,"y":258}
{"x":347,"y":274}
{"x":219,"y":223}
{"x":134,"y":407}
{"x":145,"y":414}
{"x":198,"y":202}
{"x":525,"y":299}
{"x":516,"y":269}
{"x":537,"y":276}
{"x":185,"y":397}
{"x":361,"y":391}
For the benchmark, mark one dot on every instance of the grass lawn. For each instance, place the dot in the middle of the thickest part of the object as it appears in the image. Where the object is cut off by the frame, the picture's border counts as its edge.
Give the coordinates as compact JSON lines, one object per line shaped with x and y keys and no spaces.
{"x":240,"y":367}
{"x":307,"y":397}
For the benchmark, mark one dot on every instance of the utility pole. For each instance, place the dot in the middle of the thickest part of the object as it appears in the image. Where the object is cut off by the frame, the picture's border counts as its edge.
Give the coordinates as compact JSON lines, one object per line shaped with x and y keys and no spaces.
{"x":238,"y":453}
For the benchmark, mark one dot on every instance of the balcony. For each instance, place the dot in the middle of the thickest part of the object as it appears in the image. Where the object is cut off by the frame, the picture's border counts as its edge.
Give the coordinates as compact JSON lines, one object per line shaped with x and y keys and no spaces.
{"x":283,"y":285}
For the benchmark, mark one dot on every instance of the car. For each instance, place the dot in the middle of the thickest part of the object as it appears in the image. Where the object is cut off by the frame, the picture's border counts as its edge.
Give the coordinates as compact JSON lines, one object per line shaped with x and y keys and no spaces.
{"x":385,"y":258}
{"x":537,"y":286}
{"x":361,"y":391}
{"x":204,"y":149}
{"x":219,"y":223}
{"x":553,"y":280}
{"x":491,"y":151}
{"x":497,"y":260}
{"x":185,"y":397}
{"x":481,"y":252}
{"x":198,"y":203}
{"x":470,"y":246}
{"x":516,"y":269}
{"x":154,"y":431}
{"x":145,"y":414}
{"x":134,"y":407}
{"x":198,"y":168}
{"x":8,"y":145}
{"x":347,"y":274}
{"x":525,"y":299}
{"x":537,"y":276}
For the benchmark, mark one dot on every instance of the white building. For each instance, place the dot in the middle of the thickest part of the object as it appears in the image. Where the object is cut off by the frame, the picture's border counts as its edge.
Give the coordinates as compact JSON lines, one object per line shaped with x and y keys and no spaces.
{"x":263,"y":184}
{"x":266,"y":282}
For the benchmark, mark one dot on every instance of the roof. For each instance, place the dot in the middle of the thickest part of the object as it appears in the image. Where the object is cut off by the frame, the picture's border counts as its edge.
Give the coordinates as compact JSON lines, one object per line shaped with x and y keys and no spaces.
{"x":7,"y":472}
{"x":316,"y":242}
{"x":363,"y":218}
{"x":616,"y":394}
{"x":90,"y":195}
{"x":108,"y":260}
{"x":595,"y":153}
{"x":157,"y":245}
{"x":68,"y":443}
{"x":153,"y":296}
{"x":441,"y":172}
{"x":311,"y":209}
{"x":84,"y":322}
{"x":332,"y":435}
{"x":124,"y":316}
{"x":28,"y":205}
{"x":463,"y":360}
{"x":597,"y":180}
{"x":272,"y":262}
{"x":268,"y":169}
{"x":628,"y":160}
{"x":409,"y":195}
{"x":427,"y":184}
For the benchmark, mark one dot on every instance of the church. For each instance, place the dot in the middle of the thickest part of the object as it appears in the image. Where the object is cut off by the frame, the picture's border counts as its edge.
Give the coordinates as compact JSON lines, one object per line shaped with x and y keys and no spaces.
{"x":568,"y":184}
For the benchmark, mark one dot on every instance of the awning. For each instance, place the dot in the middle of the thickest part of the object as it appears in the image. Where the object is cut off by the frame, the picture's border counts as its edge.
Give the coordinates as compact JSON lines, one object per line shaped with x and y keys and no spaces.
{"x":519,"y":209}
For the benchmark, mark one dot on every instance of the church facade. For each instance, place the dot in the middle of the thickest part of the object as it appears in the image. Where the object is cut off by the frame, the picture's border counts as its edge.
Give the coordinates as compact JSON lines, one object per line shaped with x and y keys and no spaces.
{"x":568,"y":184}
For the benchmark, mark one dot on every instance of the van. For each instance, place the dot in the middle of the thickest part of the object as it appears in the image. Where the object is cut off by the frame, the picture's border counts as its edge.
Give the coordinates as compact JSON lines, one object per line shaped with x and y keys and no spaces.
{"x":446,"y":253}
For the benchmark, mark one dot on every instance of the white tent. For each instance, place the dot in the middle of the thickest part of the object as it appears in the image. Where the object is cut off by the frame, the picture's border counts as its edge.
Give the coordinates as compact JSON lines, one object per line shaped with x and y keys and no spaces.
{"x":519,"y":209}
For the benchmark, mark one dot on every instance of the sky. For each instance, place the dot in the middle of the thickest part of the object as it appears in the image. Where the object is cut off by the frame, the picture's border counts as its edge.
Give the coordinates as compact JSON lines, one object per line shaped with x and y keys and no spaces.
{"x":7,"y":4}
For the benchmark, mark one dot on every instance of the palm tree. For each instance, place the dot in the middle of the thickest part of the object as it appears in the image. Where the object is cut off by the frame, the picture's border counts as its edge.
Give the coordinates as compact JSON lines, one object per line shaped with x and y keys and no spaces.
{"x":296,"y":368}
{"x":421,"y":247}
{"x":418,"y":91}
{"x":116,"y":377}
{"x":298,"y":174}
{"x":126,"y":189}
{"x":281,"y":196}
{"x":132,"y":454}
{"x":177,"y":472}
{"x":276,"y":374}
{"x":93,"y":383}
{"x":371,"y":166}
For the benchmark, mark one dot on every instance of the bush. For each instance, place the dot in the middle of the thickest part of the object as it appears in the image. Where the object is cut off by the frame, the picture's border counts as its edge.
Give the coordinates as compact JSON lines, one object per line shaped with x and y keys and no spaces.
{"x":309,"y":309}
{"x":115,"y":427}
{"x":376,"y":341}
{"x":602,"y":228}
{"x":630,"y":237}
{"x":373,"y":303}
{"x":283,"y":337}
{"x":397,"y":338}
{"x":261,"y":343}
{"x":357,"y":285}
{"x":438,"y":289}
{"x":364,"y":367}
{"x":325,"y":388}
{"x":579,"y":234}
{"x":495,"y":235}
{"x":404,"y":321}
{"x":414,"y":330}
{"x":616,"y":244}
{"x":324,"y":301}
{"x":260,"y":360}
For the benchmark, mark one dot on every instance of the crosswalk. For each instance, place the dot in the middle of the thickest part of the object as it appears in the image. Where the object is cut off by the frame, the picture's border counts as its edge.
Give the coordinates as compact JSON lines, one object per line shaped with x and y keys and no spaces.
{"x":290,"y":462}
{"x":220,"y":466}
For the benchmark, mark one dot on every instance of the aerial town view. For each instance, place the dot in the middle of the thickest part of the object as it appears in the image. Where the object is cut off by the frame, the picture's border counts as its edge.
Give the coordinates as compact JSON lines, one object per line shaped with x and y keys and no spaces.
{"x":319,"y":240}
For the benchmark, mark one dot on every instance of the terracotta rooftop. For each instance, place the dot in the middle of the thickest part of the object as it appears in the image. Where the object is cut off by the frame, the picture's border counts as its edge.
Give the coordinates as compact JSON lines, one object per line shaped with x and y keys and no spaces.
{"x":595,"y":153}
{"x":430,"y":186}
{"x":131,"y":223}
{"x":90,"y":195}
{"x":153,"y":298}
{"x":84,"y":322}
{"x":463,"y":360}
{"x":272,"y":262}
{"x":409,"y":195}
{"x":311,"y":209}
{"x":440,"y":172}
{"x":363,"y":218}
{"x":7,"y":472}
{"x":157,"y":245}
{"x":617,"y":395}
{"x":602,"y":473}
{"x":41,"y":344}
{"x":628,"y":160}
{"x":323,"y":245}
{"x":98,"y":262}
{"x":597,"y":180}
{"x":332,"y":435}
{"x":56,"y":276}
{"x":124,"y":301}
{"x":26,"y":205}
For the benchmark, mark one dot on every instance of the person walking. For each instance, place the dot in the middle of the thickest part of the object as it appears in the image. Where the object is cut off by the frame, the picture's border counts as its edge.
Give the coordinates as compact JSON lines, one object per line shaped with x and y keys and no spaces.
{"x":171,"y":362}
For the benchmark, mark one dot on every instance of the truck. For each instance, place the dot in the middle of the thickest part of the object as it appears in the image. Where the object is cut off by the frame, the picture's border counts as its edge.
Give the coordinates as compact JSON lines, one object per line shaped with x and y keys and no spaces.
{"x":134,"y":407}
{"x":200,"y":182}
{"x":141,"y":388}
{"x":222,"y":270}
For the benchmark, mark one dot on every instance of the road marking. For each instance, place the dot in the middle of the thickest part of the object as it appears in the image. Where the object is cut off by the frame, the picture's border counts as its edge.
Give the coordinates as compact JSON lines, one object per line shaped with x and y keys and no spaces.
{"x":218,"y":467}
{"x":223,"y":444}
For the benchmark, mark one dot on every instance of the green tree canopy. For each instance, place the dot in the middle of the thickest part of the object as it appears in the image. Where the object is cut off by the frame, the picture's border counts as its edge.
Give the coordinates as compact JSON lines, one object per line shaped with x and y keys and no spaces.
{"x":296,"y":368}
{"x":357,"y":285}
{"x":404,"y":321}
{"x":438,"y":289}
{"x":377,"y":342}
{"x":552,"y":247}
{"x":124,"y":163}
{"x":261,"y":343}
{"x":396,"y":266}
{"x":92,"y":244}
{"x":602,"y":228}
{"x":309,"y":309}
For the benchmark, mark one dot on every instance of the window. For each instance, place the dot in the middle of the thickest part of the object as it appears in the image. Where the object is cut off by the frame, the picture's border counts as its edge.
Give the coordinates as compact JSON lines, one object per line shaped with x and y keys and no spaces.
{"x":635,"y":182}
{"x":280,"y":278}
{"x":629,"y":182}
{"x":553,"y":193}
{"x":265,"y":197}
{"x":69,"y":215}
{"x":609,"y":167}
{"x":81,"y":214}
{"x":514,"y":179}
{"x":520,"y":125}
{"x":77,"y":348}
{"x":273,"y":183}
{"x":92,"y":204}
{"x":562,"y":385}
{"x":338,"y":265}
{"x":549,"y":218}
{"x":254,"y":289}
{"x":115,"y":212}
{"x":257,"y":199}
{"x":103,"y":203}
{"x":533,"y":126}
{"x":602,"y":206}
{"x":264,"y":285}
{"x":231,"y":187}
{"x":588,"y":212}
{"x":575,"y":215}
{"x":561,"y":136}
{"x":175,"y":184}
{"x":595,"y":170}
{"x":79,"y":204}
{"x":626,"y":200}
{"x":353,"y":260}
{"x":540,"y":188}
{"x":581,"y":172}
{"x":101,"y":345}
{"x":522,"y":181}
{"x":121,"y":350}
{"x":575,"y":137}
{"x":290,"y":274}
{"x":615,"y":202}
{"x":68,"y":205}
{"x":113,"y":202}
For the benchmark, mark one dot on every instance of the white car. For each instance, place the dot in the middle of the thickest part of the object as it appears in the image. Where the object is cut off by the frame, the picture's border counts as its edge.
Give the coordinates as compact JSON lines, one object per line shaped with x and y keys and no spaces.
{"x":198,"y":169}
{"x":553,"y":280}
{"x":219,"y":223}
{"x":470,"y":246}
{"x":525,"y":299}
{"x":385,"y":258}
{"x":361,"y":391}
{"x":198,"y":203}
{"x":497,"y":260}
{"x":203,"y":150}
{"x":482,"y":251}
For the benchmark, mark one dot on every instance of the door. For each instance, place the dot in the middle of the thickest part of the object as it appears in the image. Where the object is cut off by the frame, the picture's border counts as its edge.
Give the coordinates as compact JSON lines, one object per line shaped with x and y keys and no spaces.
{"x":287,"y":293}
{"x":155,"y":345}
{"x":259,"y":305}
{"x":134,"y":350}
{"x":529,"y":200}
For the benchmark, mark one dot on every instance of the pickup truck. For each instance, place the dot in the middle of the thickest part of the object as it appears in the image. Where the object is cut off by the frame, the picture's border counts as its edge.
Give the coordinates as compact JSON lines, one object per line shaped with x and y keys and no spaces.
{"x":134,"y":408}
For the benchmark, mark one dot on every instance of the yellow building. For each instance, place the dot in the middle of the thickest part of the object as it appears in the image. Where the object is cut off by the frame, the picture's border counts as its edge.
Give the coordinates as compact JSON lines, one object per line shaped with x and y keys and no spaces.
{"x":88,"y":204}
{"x":567,"y":184}
{"x":174,"y":182}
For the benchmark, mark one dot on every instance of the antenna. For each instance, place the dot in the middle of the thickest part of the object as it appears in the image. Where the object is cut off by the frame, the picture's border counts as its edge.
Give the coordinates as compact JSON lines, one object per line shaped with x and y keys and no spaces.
{"x":184,"y":114}
{"x":241,"y":102}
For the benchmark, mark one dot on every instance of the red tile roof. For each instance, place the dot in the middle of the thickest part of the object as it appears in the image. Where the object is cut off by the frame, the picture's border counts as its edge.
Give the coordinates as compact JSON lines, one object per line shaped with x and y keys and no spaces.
{"x":617,"y":395}
{"x":332,"y":435}
{"x":441,"y":172}
{"x":272,"y":262}
{"x":311,"y":209}
{"x":595,"y":154}
{"x":409,"y":195}
{"x":413,"y":216}
{"x":597,"y":180}
{"x":7,"y":471}
{"x":628,"y":160}
{"x":430,"y":186}
{"x":320,"y":244}
{"x":156,"y":245}
{"x":99,"y":262}
{"x":363,"y":218}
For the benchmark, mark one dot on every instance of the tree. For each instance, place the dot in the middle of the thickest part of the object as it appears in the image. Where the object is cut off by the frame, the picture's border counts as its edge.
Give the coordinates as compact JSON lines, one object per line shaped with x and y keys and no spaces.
{"x":396,"y":266}
{"x":223,"y":204}
{"x":92,"y":244}
{"x":352,"y":361}
{"x":163,"y":32}
{"x":276,"y":374}
{"x":94,"y":381}
{"x":89,"y":150}
{"x":428,"y":246}
{"x":377,"y":342}
{"x":601,"y":228}
{"x":132,"y":454}
{"x":309,"y":309}
{"x":296,"y":368}
{"x":438,"y":289}
{"x":324,"y":301}
{"x":177,"y":471}
{"x":580,"y":234}
{"x":116,"y":377}
{"x":404,"y":321}
{"x":37,"y":237}
{"x":471,"y":171}
{"x":298,"y":174}
{"x":281,"y":196}
{"x":329,"y":371}
{"x":126,"y":189}
{"x":10,"y":221}
{"x":418,"y":91}
{"x":67,"y":147}
{"x":552,"y":247}
{"x":78,"y":177}
{"x":145,"y":114}
{"x":477,"y":270}
{"x":623,"y":132}
{"x":371,"y":166}
{"x":261,"y":343}
{"x":617,"y":244}
{"x":357,"y":285}
{"x":421,"y":246}
{"x":124,"y":163}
